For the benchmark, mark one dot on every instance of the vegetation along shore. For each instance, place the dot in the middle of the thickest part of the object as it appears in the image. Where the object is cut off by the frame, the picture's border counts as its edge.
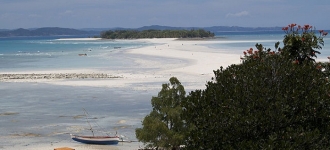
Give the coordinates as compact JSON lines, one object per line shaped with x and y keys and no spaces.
{"x":274,"y":99}
{"x":135,"y":34}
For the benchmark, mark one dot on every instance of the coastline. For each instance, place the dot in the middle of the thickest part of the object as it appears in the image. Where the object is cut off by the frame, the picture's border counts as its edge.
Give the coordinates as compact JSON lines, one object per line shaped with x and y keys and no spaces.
{"x":193,"y":64}
{"x":194,"y":67}
{"x":42,"y":106}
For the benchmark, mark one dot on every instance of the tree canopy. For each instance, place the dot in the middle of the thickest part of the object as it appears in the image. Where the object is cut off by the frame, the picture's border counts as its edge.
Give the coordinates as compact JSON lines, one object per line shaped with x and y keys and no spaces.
{"x":134,"y":34}
{"x":273,"y":100}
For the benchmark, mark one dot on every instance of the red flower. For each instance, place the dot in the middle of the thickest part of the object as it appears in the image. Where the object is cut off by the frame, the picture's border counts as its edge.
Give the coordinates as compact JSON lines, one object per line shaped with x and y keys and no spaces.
{"x":306,"y":27}
{"x":285,"y":28}
{"x":292,"y":25}
{"x":320,"y":31}
{"x":325,"y":33}
{"x":244,"y":52}
{"x":250,"y":51}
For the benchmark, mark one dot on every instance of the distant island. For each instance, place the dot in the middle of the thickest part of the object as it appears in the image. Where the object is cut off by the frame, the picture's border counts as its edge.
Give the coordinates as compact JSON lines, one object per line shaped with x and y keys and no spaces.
{"x":47,"y":31}
{"x":151,"y":33}
{"x":56,"y":31}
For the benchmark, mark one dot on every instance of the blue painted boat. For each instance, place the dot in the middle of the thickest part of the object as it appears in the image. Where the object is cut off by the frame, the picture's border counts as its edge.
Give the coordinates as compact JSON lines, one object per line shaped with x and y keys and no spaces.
{"x":101,"y":140}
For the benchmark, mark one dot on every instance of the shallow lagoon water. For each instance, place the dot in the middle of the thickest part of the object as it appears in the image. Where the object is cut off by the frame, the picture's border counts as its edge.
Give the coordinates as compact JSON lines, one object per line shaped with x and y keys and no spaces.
{"x":32,"y":53}
{"x":34,"y":113}
{"x":40,"y":113}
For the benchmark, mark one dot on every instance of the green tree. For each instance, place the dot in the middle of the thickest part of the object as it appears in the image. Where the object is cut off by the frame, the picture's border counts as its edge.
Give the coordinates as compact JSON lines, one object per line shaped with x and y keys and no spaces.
{"x":270,"y":101}
{"x":301,"y":42}
{"x":164,"y":126}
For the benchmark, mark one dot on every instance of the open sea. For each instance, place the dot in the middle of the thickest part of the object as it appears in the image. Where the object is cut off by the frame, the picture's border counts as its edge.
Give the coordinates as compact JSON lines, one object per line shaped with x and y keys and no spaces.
{"x":237,"y":42}
{"x":34,"y":113}
{"x":26,"y":53}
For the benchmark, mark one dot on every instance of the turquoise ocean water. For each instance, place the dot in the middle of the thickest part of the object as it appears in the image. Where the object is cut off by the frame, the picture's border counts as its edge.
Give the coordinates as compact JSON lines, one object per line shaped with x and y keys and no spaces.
{"x":24,"y":53}
{"x":34,"y":113}
{"x":37,"y":113}
{"x":237,"y":42}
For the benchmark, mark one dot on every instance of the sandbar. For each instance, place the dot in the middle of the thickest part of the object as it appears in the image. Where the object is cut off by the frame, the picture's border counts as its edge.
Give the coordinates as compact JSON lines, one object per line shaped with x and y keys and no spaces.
{"x":201,"y":59}
{"x":194,"y":67}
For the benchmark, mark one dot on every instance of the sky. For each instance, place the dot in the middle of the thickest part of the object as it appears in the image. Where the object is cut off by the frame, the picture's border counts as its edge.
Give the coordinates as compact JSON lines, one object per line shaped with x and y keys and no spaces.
{"x":178,"y":13}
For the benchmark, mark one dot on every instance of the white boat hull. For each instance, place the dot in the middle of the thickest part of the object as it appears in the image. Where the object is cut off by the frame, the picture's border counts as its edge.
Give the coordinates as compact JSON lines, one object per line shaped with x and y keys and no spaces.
{"x":101,"y":140}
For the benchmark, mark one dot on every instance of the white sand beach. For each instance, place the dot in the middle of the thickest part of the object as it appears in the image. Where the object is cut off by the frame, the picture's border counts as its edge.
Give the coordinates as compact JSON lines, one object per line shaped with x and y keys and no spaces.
{"x":198,"y":63}
{"x":78,"y":39}
{"x":193,"y":75}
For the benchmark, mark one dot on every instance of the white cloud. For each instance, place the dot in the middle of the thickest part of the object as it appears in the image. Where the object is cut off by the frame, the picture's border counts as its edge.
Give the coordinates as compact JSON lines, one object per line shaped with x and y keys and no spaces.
{"x":239,"y":14}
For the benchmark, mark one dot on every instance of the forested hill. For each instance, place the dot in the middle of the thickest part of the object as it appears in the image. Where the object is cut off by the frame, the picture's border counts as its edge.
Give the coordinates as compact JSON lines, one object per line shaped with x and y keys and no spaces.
{"x":51,"y":31}
{"x":212,"y":29}
{"x":47,"y":31}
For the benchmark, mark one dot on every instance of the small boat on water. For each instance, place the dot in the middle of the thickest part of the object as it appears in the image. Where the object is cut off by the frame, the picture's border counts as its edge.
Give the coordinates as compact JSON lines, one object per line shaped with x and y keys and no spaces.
{"x":102,"y":140}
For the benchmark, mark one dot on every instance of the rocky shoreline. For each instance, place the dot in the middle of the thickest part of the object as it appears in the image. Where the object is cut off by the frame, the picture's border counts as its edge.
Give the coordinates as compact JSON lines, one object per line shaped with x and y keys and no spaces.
{"x":57,"y":76}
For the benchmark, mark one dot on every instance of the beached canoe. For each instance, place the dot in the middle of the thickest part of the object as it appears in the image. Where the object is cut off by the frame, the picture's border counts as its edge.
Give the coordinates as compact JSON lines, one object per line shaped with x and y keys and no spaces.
{"x":101,"y":140}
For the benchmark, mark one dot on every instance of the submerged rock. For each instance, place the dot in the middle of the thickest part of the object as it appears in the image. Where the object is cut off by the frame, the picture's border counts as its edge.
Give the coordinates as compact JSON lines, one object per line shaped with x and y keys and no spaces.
{"x":57,"y":76}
